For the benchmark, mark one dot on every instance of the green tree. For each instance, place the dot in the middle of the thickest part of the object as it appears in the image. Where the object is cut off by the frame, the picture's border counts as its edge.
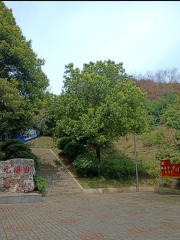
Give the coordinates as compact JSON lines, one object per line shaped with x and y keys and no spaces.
{"x":17,"y":59}
{"x":158,"y":106}
{"x":99,"y":108}
{"x":15,"y":109}
{"x":171,"y":118}
{"x":18,"y":62}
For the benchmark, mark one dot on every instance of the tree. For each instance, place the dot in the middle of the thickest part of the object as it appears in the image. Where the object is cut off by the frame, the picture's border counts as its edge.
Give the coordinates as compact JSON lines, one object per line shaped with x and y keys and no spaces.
{"x":171,"y":118}
{"x":15,"y":109}
{"x":18,"y":62}
{"x":99,"y":108}
{"x":171,"y":75}
{"x":17,"y":59}
{"x":161,"y":87}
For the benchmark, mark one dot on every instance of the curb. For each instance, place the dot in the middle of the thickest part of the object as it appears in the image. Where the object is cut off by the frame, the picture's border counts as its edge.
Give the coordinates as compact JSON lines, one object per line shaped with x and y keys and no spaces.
{"x":11,"y":198}
{"x":167,"y":190}
{"x":118,"y":190}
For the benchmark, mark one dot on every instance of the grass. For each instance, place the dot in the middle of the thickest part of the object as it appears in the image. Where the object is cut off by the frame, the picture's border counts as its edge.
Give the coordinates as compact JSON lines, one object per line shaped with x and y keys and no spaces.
{"x":44,"y":142}
{"x":145,"y":152}
{"x":101,"y":182}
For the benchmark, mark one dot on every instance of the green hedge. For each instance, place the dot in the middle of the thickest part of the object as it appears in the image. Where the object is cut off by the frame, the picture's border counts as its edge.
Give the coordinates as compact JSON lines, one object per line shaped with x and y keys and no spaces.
{"x":9,"y":142}
{"x":117,"y":169}
{"x":40,"y":183}
{"x":87,"y":164}
{"x":14,"y":148}
{"x":73,"y":149}
{"x":62,"y":142}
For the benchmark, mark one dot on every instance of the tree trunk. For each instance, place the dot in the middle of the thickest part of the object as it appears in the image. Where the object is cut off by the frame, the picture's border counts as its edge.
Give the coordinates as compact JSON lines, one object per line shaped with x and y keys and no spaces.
{"x":98,"y":153}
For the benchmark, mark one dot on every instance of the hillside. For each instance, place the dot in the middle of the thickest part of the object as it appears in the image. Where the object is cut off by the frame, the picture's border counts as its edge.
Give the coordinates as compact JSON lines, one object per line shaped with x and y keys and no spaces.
{"x":145,"y":152}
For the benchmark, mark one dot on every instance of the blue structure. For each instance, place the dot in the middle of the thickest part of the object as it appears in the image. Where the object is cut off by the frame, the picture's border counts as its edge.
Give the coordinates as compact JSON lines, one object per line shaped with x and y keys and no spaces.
{"x":28,"y":136}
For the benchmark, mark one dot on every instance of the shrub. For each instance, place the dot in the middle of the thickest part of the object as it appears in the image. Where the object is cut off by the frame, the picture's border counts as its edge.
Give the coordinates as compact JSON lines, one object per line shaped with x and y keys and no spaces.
{"x":2,"y":156}
{"x":146,"y":171}
{"x":40,"y":183}
{"x":9,"y":142}
{"x":153,"y":169}
{"x":62,"y":142}
{"x":122,"y":168}
{"x":117,"y":169}
{"x":73,"y":149}
{"x":14,"y":148}
{"x":87,"y":164}
{"x":27,"y":155}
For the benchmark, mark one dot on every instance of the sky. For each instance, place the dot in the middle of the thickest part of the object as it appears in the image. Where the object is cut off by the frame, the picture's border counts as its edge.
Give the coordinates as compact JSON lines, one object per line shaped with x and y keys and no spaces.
{"x":143,"y":35}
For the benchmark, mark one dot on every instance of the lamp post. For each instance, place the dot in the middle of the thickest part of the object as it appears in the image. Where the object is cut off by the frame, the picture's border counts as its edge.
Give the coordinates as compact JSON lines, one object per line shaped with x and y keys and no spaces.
{"x":137,"y":184}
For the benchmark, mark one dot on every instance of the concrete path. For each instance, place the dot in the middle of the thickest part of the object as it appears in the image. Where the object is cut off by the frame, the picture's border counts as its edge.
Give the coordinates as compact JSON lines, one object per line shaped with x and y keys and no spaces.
{"x":118,"y":216}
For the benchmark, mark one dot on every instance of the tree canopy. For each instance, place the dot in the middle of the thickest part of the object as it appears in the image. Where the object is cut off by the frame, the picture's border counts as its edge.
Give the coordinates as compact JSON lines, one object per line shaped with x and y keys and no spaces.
{"x":15,"y":109}
{"x":17,"y":59}
{"x":99,"y":105}
{"x":21,"y":73}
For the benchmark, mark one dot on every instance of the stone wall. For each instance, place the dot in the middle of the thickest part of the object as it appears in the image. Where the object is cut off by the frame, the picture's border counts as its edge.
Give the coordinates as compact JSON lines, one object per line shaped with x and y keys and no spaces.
{"x":16,"y":175}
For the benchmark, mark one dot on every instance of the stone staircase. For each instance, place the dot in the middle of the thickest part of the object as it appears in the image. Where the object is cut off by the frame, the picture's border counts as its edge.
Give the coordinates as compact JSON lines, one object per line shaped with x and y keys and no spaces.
{"x":59,"y":179}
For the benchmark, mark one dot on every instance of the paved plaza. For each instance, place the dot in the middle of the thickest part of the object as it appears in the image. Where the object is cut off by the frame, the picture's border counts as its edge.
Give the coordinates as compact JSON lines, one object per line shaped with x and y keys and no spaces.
{"x":126,"y":216}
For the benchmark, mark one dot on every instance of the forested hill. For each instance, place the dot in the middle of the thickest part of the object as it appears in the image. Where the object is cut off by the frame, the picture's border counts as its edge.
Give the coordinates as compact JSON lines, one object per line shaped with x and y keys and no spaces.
{"x":156,"y":90}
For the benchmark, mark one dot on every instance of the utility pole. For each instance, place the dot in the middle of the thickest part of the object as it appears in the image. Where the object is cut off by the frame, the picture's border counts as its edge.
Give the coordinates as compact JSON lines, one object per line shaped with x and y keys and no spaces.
{"x":135,"y":153}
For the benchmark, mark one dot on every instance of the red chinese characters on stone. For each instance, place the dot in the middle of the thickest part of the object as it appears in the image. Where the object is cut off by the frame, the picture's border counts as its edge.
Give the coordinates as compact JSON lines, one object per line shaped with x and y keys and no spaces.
{"x":26,"y":169}
{"x":17,"y":169}
{"x":6,"y":170}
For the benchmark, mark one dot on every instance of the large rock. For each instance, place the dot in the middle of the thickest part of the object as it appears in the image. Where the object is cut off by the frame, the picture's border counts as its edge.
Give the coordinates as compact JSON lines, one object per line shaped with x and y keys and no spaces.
{"x":16,"y":175}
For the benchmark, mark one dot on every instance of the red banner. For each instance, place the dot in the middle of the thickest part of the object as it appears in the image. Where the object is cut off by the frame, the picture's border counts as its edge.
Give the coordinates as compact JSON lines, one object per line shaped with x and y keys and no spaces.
{"x":168,"y":169}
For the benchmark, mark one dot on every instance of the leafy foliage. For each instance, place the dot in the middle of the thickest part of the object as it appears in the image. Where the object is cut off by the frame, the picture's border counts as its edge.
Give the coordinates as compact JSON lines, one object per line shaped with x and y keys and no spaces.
{"x":122,"y":168}
{"x":171,"y":118}
{"x":46,"y":125}
{"x":13,"y":148}
{"x":97,"y":106}
{"x":18,"y":61}
{"x":16,"y":114}
{"x":73,"y":149}
{"x":40,"y":183}
{"x":114,"y":169}
{"x":9,"y":142}
{"x":22,"y":82}
{"x":62,"y":142}
{"x":87,"y":164}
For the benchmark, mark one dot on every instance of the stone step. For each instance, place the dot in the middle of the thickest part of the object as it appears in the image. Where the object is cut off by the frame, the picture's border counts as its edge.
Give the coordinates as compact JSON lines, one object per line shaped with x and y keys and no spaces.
{"x":59,"y":180}
{"x":59,"y":173}
{"x":48,"y":178}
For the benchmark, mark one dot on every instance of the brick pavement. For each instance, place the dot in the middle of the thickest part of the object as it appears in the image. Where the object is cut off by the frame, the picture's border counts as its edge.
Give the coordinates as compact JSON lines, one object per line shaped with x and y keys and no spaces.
{"x":118,"y":216}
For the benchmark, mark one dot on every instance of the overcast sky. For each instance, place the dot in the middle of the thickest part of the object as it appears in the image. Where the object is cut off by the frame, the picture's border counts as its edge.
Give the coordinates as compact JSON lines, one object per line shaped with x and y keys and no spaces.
{"x":145,"y":36}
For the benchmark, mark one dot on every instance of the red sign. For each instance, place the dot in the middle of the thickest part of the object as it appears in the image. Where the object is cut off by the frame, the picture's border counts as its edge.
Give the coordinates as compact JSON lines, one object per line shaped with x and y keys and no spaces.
{"x":169,"y":170}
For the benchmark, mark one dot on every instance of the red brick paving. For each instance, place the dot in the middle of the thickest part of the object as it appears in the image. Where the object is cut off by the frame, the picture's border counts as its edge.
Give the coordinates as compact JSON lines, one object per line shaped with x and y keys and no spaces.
{"x":8,"y":216}
{"x":138,"y":231}
{"x":94,"y":236}
{"x":106,"y":217}
{"x":173,"y":226}
{"x":14,"y":228}
{"x":68,"y":221}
